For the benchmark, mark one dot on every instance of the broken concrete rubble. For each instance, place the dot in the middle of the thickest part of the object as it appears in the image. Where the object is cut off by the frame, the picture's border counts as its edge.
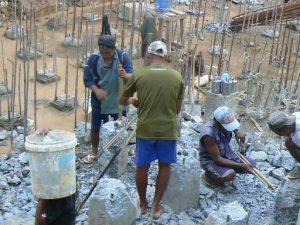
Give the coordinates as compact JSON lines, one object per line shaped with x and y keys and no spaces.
{"x":108,"y":131}
{"x":180,"y":196}
{"x":111,"y":204}
{"x":230,"y":214}
{"x":287,"y":203}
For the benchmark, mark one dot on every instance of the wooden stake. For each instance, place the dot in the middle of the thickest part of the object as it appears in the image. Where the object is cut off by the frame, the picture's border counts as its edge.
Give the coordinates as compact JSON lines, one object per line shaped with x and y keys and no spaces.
{"x":67,"y":20}
{"x":230,"y":53}
{"x":288,"y":65}
{"x":74,"y":21}
{"x":35,"y":69}
{"x":132,"y":30}
{"x":19,"y":90}
{"x":67,"y":79}
{"x":281,"y":76}
{"x":295,"y":63}
{"x":212,"y":56}
{"x":77,"y":74}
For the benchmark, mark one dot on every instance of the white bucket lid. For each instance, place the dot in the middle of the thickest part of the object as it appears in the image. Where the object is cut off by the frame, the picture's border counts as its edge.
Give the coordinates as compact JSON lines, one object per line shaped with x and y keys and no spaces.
{"x":53,"y":141}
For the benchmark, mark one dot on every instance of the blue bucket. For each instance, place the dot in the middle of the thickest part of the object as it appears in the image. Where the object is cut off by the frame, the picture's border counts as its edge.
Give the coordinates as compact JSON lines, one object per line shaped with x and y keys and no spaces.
{"x":163,"y":5}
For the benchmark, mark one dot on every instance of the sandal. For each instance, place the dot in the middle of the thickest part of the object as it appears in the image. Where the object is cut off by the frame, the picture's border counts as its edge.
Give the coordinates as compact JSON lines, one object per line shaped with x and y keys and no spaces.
{"x":295,"y":174}
{"x":89,"y":159}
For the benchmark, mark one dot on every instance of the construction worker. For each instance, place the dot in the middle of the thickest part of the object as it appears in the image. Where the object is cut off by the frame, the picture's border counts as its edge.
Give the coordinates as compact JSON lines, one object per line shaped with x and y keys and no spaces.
{"x":56,"y":211}
{"x":288,"y":126}
{"x":159,"y":97}
{"x":101,"y":75}
{"x":216,"y":156}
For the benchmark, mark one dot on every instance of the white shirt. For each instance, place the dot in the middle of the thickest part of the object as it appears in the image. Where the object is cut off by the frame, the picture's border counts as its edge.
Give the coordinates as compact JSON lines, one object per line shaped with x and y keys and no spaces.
{"x":296,"y":135}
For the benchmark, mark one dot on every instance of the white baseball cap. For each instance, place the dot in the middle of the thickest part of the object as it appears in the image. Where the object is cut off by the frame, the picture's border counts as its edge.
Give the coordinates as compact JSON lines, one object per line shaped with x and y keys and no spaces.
{"x":158,"y":48}
{"x":225,"y":116}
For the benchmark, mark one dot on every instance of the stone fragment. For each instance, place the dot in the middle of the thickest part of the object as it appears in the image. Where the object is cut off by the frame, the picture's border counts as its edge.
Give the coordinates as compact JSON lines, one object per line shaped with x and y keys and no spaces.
{"x":230,"y":214}
{"x":70,"y":41}
{"x":25,"y":171}
{"x":269,"y":34}
{"x":14,"y":181}
{"x":183,"y":188}
{"x":64,"y":103}
{"x":110,"y":204}
{"x":28,"y":53}
{"x":19,"y":220}
{"x":23,"y":158}
{"x":16,"y":31}
{"x":83,"y":136}
{"x":259,"y":156}
{"x":56,"y":22}
{"x":279,"y":173}
{"x":119,"y":165}
{"x":275,"y":160}
{"x":287,"y":203}
{"x":288,"y":162}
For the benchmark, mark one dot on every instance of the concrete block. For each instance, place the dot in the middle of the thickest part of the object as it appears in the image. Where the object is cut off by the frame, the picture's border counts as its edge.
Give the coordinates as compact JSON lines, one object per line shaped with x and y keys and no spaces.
{"x":287,"y":203}
{"x":19,"y":220}
{"x":110,"y":204}
{"x":230,"y":214}
{"x":279,"y":173}
{"x":259,"y":156}
{"x":108,"y":131}
{"x":288,"y":162}
{"x":183,"y":188}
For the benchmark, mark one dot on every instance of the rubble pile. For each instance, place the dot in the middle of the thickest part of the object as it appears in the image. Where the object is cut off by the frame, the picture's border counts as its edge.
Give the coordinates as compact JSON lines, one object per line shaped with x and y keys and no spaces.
{"x":244,"y":199}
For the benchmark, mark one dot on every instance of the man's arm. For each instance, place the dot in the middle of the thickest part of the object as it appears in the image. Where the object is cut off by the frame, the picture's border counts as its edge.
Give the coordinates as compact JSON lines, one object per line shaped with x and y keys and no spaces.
{"x":100,"y":93}
{"x":214,"y":152}
{"x":178,"y":106}
{"x":40,"y":210}
{"x":293,"y":149}
{"x":128,"y":100}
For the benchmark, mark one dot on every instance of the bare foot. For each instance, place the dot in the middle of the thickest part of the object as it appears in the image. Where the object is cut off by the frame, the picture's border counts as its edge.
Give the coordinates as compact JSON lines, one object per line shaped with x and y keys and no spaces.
{"x":142,"y":206}
{"x":157,"y":212}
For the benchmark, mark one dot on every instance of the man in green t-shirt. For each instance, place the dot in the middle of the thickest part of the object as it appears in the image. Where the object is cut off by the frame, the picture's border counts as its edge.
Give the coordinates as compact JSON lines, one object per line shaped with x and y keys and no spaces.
{"x":159,"y":98}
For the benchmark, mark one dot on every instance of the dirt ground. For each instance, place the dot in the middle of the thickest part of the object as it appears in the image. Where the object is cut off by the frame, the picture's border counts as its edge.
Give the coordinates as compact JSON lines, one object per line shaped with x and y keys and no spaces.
{"x":48,"y":117}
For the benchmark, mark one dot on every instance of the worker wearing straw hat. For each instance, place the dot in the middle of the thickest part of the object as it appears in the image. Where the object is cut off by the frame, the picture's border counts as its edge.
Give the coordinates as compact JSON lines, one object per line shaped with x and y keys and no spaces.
{"x":216,"y":156}
{"x":288,"y":126}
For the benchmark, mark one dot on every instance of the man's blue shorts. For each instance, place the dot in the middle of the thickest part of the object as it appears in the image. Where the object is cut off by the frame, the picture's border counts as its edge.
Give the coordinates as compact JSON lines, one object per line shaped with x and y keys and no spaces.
{"x":148,"y":151}
{"x":97,"y":117}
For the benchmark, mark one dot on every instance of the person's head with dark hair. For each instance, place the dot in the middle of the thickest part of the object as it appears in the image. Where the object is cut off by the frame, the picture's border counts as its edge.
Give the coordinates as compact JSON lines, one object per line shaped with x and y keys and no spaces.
{"x":282,"y":123}
{"x":107,"y":46}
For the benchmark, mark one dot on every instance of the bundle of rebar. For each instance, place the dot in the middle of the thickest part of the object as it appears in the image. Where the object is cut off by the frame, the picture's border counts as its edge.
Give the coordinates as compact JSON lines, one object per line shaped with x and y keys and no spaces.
{"x":264,"y":16}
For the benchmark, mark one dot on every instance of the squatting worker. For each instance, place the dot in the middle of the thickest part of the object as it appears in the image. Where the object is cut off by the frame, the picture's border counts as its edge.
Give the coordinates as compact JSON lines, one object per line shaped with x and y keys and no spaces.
{"x":56,"y":211}
{"x":159,"y":97}
{"x":288,"y":126}
{"x":101,"y":75}
{"x":216,"y":156}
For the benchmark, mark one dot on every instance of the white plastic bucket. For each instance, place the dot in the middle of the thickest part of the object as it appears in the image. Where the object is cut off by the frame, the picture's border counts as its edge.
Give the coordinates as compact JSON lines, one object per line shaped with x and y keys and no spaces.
{"x":52,"y":164}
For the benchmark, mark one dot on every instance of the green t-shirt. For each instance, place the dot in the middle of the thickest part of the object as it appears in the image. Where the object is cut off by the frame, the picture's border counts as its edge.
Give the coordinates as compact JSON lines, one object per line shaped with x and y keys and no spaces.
{"x":158,"y":90}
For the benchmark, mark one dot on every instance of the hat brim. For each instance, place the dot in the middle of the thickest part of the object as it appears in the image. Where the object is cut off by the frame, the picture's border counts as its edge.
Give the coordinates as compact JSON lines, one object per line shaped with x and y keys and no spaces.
{"x":234,"y":125}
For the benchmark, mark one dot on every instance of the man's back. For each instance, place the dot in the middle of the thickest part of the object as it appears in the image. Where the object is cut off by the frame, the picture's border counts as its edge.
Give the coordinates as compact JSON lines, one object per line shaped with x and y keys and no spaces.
{"x":158,"y":90}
